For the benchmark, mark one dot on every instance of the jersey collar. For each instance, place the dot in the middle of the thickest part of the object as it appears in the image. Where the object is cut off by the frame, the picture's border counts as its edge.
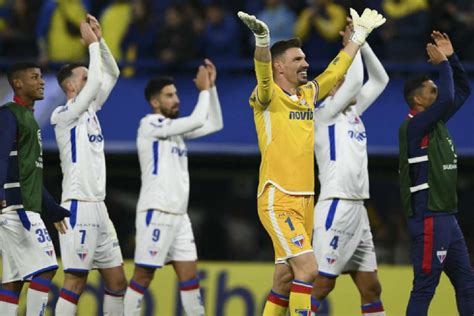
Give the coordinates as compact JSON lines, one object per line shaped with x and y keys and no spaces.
{"x":20,"y":101}
{"x":412,"y":113}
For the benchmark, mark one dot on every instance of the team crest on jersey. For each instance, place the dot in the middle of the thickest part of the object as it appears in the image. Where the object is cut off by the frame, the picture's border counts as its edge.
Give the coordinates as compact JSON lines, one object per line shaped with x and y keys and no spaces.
{"x":152,"y":251}
{"x":441,"y":255}
{"x":82,"y":253}
{"x":303,"y":312}
{"x":331,"y":258}
{"x":49,"y":250}
{"x":298,"y":241}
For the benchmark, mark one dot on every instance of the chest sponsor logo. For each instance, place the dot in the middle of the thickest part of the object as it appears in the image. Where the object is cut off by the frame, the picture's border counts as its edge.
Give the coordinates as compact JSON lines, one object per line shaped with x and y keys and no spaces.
{"x":301,"y":115}
{"x":359,"y":136}
{"x":181,"y":152}
{"x":298,"y":241}
{"x":441,"y":254}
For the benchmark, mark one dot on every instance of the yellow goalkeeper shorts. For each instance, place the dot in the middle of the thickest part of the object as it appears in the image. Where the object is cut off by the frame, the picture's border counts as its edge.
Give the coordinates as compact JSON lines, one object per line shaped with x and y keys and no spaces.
{"x":288,"y":219}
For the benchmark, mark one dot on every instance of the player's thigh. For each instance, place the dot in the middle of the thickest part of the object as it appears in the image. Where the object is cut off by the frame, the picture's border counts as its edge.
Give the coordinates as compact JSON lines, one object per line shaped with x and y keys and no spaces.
{"x":27,"y":245}
{"x":337,"y":234}
{"x":283,"y":217}
{"x":79,"y":243}
{"x":156,"y":232}
{"x":108,"y":253}
{"x":183,"y":247}
{"x":364,"y":258}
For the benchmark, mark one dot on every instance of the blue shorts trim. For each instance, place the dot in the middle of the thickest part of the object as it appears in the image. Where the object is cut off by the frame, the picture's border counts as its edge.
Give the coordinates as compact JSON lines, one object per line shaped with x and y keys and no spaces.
{"x":143,"y":265}
{"x":53,"y":267}
{"x":328,"y":275}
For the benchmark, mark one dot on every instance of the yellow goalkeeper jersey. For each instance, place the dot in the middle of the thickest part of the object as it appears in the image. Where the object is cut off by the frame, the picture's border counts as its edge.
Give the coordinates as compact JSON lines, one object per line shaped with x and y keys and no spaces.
{"x":285,"y":127}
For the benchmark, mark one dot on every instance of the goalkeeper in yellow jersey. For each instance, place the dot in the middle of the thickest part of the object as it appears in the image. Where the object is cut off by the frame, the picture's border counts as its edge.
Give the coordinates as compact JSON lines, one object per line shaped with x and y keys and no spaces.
{"x":283,"y":103}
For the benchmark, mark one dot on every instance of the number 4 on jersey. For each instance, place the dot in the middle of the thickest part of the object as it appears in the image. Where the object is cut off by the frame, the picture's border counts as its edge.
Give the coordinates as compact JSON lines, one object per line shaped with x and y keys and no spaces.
{"x":334,"y":242}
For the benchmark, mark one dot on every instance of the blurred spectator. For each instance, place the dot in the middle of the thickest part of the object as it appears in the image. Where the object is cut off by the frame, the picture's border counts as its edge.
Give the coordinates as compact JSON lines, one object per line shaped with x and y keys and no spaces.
{"x":18,"y":33}
{"x":58,"y":33}
{"x":139,"y":41}
{"x":279,"y":18}
{"x":405,"y":33}
{"x":318,"y":26}
{"x":115,"y":21}
{"x":220,"y":38}
{"x":461,"y":13}
{"x":176,"y":39}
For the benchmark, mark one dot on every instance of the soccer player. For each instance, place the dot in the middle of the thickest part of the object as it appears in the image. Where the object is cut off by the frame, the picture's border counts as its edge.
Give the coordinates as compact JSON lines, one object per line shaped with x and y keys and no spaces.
{"x":342,"y":240}
{"x":164,"y":232}
{"x":283,"y":104}
{"x":91,"y":241}
{"x":28,"y":253}
{"x":428,"y":176}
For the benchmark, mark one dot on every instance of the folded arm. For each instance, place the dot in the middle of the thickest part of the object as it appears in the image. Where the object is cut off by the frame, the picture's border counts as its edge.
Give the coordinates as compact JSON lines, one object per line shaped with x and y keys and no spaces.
{"x":378,"y":80}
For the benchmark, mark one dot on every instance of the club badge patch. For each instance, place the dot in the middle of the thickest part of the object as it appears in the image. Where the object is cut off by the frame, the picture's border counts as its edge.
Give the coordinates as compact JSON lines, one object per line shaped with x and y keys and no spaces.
{"x":298,"y":241}
{"x":82,"y":253}
{"x":441,"y":254}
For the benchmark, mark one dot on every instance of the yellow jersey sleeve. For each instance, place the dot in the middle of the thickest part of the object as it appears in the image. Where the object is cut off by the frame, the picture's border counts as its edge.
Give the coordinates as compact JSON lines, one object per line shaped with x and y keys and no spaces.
{"x":332,"y":74}
{"x":263,"y":94}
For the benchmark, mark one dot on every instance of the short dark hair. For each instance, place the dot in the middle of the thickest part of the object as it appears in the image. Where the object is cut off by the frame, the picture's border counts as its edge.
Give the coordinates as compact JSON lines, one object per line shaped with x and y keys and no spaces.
{"x":280,"y":47}
{"x":411,"y":86}
{"x":66,"y":71}
{"x":13,"y":71}
{"x":155,"y":85}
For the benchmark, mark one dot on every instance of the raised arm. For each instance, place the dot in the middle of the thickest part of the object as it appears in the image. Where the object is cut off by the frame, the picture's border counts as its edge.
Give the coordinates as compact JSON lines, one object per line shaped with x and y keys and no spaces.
{"x":262,"y":57}
{"x":7,"y":138}
{"x":422,"y":123}
{"x":362,"y":26}
{"x":378,"y":80}
{"x":346,"y":92}
{"x":214,"y":121}
{"x":462,"y":89}
{"x":111,"y":71}
{"x":163,"y":128}
{"x":74,"y":109}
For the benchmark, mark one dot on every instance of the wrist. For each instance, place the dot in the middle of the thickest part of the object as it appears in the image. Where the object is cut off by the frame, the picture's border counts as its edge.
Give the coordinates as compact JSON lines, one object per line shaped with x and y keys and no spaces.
{"x":262,"y":40}
{"x":358,"y":36}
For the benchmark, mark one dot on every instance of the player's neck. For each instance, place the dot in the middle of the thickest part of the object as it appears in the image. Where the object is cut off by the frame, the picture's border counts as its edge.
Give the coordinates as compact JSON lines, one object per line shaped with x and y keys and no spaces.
{"x":24,"y":101}
{"x":286,"y":86}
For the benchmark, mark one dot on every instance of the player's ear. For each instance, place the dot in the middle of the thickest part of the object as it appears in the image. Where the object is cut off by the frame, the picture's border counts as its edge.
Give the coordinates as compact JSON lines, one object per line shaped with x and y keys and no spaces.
{"x":17,"y":83}
{"x":154,"y":103}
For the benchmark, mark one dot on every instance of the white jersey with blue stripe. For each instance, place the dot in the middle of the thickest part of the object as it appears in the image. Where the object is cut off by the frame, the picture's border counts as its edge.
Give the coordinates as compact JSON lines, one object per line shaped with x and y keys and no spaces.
{"x":164,"y":169}
{"x":163,"y":154}
{"x":78,"y":132}
{"x":341,"y":155}
{"x":81,"y":150}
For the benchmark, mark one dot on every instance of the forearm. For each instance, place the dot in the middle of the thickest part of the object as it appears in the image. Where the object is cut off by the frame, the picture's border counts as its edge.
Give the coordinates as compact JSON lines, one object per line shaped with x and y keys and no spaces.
{"x":7,"y":139}
{"x":264,"y":74}
{"x":109,"y":63}
{"x":333,"y":73}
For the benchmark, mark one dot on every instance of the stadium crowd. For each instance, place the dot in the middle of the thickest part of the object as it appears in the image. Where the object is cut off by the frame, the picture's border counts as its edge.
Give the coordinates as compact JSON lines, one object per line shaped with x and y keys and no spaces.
{"x":49,"y":29}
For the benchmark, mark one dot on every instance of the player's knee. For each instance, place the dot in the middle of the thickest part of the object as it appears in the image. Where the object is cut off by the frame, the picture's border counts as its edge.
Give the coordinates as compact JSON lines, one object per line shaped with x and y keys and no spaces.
{"x":323,"y":286}
{"x":371,"y":292}
{"x":306,"y":274}
{"x":143,"y":276}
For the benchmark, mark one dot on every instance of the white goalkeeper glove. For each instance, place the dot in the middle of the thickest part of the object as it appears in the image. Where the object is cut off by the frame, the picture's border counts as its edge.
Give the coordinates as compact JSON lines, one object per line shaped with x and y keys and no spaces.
{"x":364,"y":24}
{"x":259,"y":29}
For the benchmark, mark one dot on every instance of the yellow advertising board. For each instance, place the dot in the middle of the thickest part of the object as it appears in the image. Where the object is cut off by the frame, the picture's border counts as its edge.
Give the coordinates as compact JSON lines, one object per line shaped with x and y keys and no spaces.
{"x":240,"y":289}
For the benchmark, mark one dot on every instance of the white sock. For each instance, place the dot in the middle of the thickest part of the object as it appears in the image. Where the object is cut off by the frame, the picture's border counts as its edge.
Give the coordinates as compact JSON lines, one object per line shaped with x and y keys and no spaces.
{"x":113,"y":303}
{"x":191,"y":297}
{"x":37,"y":296}
{"x":133,"y":299}
{"x":9,"y":302}
{"x":67,"y":303}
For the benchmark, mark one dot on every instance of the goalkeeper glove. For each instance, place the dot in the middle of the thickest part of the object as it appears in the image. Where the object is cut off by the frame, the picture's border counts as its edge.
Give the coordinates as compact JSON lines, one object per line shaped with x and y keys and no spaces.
{"x":364,"y":24}
{"x":259,"y":29}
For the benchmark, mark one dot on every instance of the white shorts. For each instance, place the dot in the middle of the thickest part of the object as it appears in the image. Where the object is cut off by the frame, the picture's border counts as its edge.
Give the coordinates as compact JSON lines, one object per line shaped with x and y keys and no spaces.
{"x":90,"y":241}
{"x":26,"y":247}
{"x":163,"y":237}
{"x":342,"y":239}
